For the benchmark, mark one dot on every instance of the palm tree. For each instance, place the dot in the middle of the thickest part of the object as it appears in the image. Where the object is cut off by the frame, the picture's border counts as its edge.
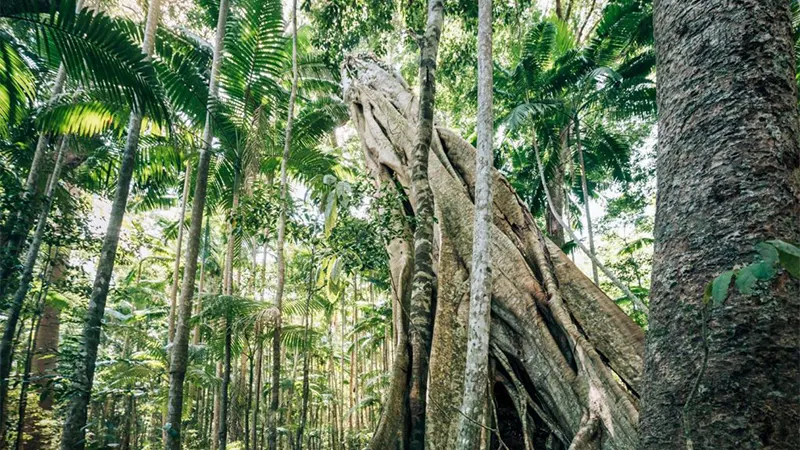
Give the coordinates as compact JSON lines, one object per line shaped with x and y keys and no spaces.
{"x":75,"y":422}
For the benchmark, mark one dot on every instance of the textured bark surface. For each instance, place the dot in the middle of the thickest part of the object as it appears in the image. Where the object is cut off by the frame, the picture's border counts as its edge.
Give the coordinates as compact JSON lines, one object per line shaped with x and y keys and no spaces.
{"x":728,"y":178}
{"x":572,"y":349}
{"x":75,"y":422}
{"x":423,"y":275}
{"x":476,"y":374}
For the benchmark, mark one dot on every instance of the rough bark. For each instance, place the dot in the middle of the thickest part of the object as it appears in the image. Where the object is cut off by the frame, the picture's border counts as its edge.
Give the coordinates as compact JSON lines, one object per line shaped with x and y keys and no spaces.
{"x":75,"y":421}
{"x":476,"y":375}
{"x":574,"y":349}
{"x":728,"y":164}
{"x":180,"y":346}
{"x":272,"y":419}
{"x":424,"y":275}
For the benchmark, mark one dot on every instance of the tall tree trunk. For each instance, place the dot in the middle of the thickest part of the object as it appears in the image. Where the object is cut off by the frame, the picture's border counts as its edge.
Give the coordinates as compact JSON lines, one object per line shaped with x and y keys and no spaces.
{"x":75,"y":422}
{"x":476,"y":375}
{"x":226,"y":381}
{"x":201,"y":287}
{"x":24,"y":284}
{"x":272,"y":419}
{"x":180,"y":346}
{"x":555,"y":208}
{"x":585,"y":189}
{"x":422,"y":293}
{"x":176,"y":269}
{"x":258,"y":369}
{"x":306,"y":355}
{"x":216,"y":412}
{"x":727,"y":165}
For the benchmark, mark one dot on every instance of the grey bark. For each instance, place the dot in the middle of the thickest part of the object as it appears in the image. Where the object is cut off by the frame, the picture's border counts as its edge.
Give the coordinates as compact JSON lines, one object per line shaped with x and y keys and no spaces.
{"x":180,"y":346}
{"x":585,"y":189}
{"x":727,"y":164}
{"x":222,"y":437}
{"x":422,"y":291}
{"x":176,"y":269}
{"x":579,"y":352}
{"x":75,"y":421}
{"x":476,"y":375}
{"x":272,"y":419}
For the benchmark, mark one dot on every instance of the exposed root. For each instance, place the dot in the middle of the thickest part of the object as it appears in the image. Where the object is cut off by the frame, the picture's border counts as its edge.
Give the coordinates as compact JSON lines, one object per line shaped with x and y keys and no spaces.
{"x":588,"y":436}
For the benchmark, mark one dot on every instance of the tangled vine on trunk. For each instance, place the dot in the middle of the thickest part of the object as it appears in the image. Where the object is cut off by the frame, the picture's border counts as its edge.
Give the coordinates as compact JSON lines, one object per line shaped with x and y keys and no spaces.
{"x":565,"y":353}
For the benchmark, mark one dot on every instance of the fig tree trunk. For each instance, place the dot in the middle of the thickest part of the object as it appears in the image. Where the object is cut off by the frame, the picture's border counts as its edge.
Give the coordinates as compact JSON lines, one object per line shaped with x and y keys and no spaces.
{"x":728,"y":168}
{"x":562,"y":348}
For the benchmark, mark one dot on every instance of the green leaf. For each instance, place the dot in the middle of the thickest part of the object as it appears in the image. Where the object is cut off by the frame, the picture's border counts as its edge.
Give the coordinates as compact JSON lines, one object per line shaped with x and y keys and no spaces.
{"x":768,"y":252}
{"x":763,"y":270}
{"x":719,"y":288}
{"x":745,"y":279}
{"x":789,"y":256}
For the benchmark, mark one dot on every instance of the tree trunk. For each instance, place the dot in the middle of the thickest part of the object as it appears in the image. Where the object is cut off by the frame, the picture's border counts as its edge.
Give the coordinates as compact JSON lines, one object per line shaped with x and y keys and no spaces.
{"x":258,"y":387}
{"x":226,"y":381}
{"x":272,"y":419}
{"x":727,"y":164}
{"x":75,"y":422}
{"x":216,"y":412}
{"x":576,"y":350}
{"x":306,"y":355}
{"x":476,"y":375}
{"x":176,"y":269}
{"x":24,"y":284}
{"x":585,"y":189}
{"x":424,"y":275}
{"x":180,"y":346}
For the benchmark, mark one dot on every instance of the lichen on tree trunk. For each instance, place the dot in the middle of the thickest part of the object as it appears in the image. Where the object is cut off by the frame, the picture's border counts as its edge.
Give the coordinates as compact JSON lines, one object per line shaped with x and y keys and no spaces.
{"x":575,"y":353}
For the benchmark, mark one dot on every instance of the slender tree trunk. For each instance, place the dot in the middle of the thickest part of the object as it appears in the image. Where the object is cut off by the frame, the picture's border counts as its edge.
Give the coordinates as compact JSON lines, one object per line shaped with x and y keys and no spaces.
{"x":216,"y":412}
{"x":180,"y":347}
{"x":306,"y":355}
{"x":75,"y":422}
{"x":555,"y":208}
{"x":173,"y":293}
{"x":201,"y":287}
{"x":476,"y":375}
{"x":24,"y":284}
{"x":727,"y":376}
{"x":258,"y":370}
{"x":272,"y":420}
{"x":226,"y":381}
{"x":422,"y":293}
{"x":585,"y":189}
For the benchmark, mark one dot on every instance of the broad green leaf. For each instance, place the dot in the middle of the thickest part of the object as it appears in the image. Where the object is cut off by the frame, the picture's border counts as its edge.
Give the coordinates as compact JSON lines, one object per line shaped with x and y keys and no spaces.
{"x":768,"y":252}
{"x":719,"y":288}
{"x":763,"y":270}
{"x":789,"y":256}
{"x":745,"y":279}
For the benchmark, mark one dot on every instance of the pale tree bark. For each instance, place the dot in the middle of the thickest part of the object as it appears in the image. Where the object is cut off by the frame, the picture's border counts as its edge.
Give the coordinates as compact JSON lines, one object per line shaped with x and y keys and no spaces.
{"x":75,"y":421}
{"x":180,"y":346}
{"x":727,"y":164}
{"x":476,"y":375}
{"x":577,"y":351}
{"x":423,"y":281}
{"x":176,"y":269}
{"x":274,"y":404}
{"x":24,"y":284}
{"x":585,"y":189}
